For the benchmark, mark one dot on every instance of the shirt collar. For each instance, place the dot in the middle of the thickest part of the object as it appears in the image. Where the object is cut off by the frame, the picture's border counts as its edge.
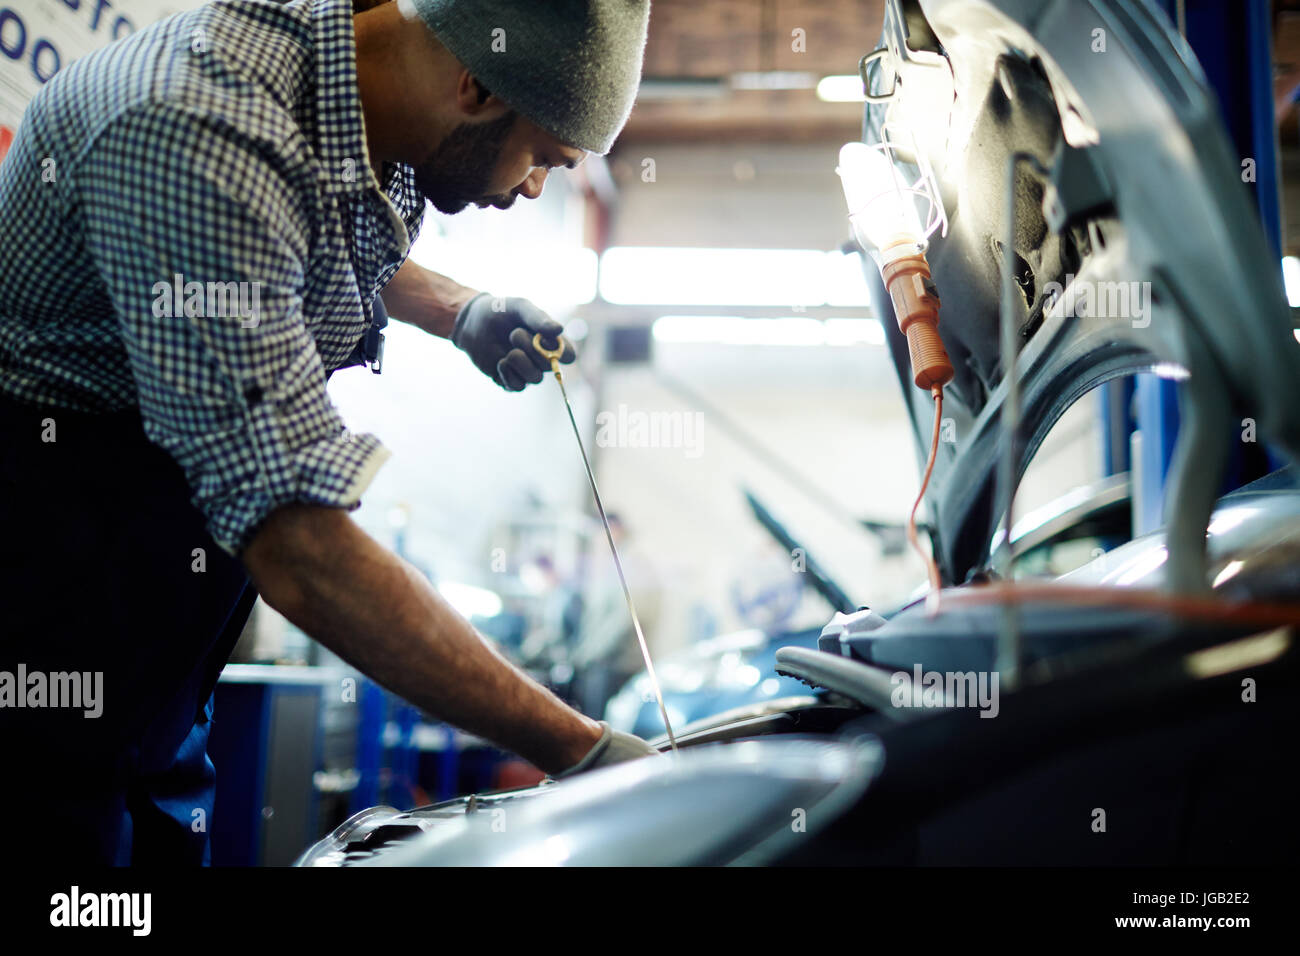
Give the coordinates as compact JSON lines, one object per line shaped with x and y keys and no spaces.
{"x":340,"y":125}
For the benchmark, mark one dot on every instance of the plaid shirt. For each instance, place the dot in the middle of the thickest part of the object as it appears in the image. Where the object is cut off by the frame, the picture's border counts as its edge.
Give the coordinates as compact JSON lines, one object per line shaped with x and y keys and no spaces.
{"x":189,"y":224}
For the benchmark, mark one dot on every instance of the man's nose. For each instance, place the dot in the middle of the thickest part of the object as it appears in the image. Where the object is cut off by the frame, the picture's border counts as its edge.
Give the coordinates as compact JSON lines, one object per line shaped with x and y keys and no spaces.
{"x":532,"y":185}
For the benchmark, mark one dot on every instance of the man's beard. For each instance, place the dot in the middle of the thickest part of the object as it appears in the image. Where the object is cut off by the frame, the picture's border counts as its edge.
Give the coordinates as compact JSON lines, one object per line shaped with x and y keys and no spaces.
{"x":460,"y":169}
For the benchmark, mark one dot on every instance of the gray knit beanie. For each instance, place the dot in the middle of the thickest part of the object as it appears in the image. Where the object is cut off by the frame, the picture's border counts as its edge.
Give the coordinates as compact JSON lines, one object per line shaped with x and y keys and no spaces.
{"x":570,"y":66}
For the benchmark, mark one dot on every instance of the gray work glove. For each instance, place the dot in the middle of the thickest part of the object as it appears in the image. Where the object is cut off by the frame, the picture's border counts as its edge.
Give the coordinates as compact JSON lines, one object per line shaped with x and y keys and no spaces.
{"x":497,"y":334}
{"x":613,"y":747}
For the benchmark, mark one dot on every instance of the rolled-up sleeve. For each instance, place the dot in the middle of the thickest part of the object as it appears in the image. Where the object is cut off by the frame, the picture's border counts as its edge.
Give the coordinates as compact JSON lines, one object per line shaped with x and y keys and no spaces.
{"x":180,"y":211}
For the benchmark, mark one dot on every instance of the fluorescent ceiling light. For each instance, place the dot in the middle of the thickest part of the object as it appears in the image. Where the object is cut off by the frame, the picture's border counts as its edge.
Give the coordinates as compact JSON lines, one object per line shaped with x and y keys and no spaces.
{"x":844,"y":283}
{"x":735,"y":330}
{"x":1291,"y":276}
{"x":795,"y":331}
{"x":680,"y":88}
{"x":841,"y":89}
{"x":854,"y":332}
{"x":773,"y":80}
{"x":645,"y":275}
{"x":554,"y":277}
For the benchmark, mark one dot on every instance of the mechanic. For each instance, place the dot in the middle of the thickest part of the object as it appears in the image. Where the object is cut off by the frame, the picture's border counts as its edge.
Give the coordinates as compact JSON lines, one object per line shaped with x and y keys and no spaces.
{"x":162,"y":470}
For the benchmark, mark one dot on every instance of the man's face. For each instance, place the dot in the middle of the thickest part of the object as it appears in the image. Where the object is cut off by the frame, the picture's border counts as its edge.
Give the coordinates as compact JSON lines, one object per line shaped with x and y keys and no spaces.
{"x":491,"y":163}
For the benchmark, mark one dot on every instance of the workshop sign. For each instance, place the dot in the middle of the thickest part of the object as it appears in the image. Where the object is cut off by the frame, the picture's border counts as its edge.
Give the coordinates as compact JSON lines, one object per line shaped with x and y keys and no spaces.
{"x":40,"y":37}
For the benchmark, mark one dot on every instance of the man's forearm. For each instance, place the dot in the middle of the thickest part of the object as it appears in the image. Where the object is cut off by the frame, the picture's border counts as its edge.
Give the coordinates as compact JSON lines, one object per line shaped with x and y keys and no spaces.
{"x":425,"y":298}
{"x":320,"y":570}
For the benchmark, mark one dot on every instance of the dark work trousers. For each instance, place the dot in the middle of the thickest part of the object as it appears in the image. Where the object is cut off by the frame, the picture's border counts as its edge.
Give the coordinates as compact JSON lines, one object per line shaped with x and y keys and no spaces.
{"x":106,"y":572}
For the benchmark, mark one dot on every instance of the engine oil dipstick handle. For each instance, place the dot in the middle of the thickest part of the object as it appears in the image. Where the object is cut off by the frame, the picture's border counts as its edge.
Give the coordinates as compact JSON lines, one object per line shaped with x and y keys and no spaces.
{"x":553,"y":355}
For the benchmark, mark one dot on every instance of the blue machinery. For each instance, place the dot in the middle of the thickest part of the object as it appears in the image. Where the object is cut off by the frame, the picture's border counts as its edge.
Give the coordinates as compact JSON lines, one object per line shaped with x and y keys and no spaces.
{"x":390,"y":767}
{"x":297,"y":749}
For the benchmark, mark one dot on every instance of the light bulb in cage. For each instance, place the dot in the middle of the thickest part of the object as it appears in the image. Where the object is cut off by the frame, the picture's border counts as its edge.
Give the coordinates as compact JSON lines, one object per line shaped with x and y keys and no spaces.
{"x":893,"y":216}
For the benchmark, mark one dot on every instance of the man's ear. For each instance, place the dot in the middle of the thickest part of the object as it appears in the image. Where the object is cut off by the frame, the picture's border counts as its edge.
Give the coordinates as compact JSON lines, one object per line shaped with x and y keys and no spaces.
{"x":475,"y":99}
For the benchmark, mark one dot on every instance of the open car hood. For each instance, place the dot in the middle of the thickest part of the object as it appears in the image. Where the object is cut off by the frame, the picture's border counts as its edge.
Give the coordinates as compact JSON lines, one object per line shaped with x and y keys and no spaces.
{"x":1138,"y":185}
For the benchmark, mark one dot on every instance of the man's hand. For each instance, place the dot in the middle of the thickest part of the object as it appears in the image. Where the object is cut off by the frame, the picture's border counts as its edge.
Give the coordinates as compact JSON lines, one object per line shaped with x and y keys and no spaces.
{"x":613,"y":747}
{"x":497,"y":335}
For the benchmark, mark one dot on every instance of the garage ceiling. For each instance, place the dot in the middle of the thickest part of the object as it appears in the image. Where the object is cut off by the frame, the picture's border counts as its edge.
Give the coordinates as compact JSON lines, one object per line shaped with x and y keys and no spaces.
{"x":696,"y":50}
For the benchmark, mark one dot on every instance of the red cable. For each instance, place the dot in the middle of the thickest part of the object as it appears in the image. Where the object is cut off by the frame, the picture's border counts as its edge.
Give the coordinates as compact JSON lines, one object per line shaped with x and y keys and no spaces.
{"x":1209,"y":608}
{"x":931,"y":566}
{"x":1218,"y":610}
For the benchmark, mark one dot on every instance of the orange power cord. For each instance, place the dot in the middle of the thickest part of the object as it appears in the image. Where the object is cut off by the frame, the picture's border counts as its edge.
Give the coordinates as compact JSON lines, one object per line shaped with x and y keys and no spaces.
{"x":931,"y":566}
{"x":916,"y":305}
{"x":1211,"y":609}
